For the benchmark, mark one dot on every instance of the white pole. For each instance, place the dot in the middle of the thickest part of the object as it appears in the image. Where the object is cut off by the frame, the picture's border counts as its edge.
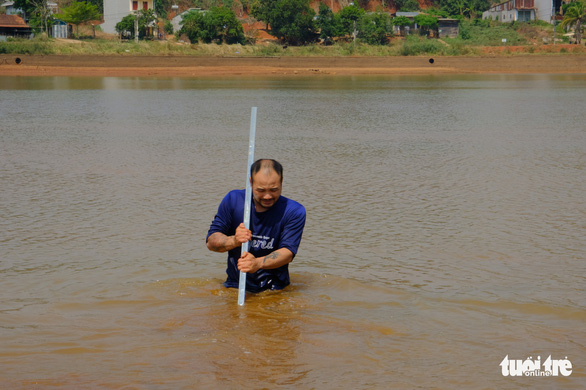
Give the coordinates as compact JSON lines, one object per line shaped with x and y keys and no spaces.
{"x":136,"y":27}
{"x":247,"y":201}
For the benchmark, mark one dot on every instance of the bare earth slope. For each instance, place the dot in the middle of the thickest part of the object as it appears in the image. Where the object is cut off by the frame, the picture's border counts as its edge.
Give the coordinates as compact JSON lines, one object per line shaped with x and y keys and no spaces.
{"x":172,"y":66}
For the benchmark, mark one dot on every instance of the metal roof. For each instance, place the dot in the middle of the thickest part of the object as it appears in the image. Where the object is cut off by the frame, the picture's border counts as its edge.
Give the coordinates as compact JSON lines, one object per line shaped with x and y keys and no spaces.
{"x":407,"y":14}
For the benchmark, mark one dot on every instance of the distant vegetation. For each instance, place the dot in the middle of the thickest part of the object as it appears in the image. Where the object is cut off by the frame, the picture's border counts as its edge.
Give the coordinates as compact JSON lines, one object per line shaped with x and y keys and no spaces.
{"x":479,"y":40}
{"x":299,"y":30}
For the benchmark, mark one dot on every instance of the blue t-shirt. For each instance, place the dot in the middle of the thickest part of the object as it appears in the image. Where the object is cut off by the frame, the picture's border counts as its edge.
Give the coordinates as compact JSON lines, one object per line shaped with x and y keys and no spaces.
{"x":281,"y":226}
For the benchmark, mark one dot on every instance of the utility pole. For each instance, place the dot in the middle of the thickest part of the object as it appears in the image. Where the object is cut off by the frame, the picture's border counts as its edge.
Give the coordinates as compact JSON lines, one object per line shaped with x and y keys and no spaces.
{"x":136,"y":28}
{"x":553,"y":19}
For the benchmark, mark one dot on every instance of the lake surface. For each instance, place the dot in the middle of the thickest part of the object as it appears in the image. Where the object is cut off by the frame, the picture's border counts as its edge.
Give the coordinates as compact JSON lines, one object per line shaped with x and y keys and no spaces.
{"x":446,"y":230}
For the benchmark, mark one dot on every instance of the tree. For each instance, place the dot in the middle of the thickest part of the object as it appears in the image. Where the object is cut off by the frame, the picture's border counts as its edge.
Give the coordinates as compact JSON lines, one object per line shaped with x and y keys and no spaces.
{"x":191,"y":25}
{"x":125,"y":27}
{"x":426,"y":23}
{"x":478,"y":7}
{"x":574,"y":16}
{"x":99,"y":4}
{"x":456,"y":7}
{"x":146,"y":19}
{"x":328,"y":23}
{"x":79,"y":12}
{"x":219,"y":25}
{"x":292,"y":22}
{"x":42,"y":12}
{"x":26,"y":6}
{"x":375,"y":28}
{"x":349,"y":17}
{"x":402,"y":22}
{"x":262,"y":10}
{"x":36,"y":13}
{"x":467,"y":8}
{"x":161,"y":7}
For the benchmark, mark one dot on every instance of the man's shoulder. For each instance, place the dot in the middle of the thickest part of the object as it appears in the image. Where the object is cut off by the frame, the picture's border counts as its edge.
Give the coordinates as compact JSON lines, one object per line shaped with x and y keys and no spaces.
{"x":234,"y":198}
{"x":292,"y":206}
{"x":235,"y":195}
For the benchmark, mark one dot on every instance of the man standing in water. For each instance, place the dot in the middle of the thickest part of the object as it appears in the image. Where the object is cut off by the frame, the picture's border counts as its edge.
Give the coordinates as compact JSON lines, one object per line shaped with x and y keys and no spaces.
{"x":276,"y":227}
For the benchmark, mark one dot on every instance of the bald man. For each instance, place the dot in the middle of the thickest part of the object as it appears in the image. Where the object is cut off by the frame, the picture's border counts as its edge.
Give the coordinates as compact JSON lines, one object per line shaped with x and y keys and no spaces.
{"x":276,"y":227}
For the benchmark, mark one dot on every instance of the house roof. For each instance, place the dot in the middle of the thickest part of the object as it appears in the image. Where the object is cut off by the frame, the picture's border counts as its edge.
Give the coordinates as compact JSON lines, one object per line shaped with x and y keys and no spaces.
{"x":407,"y":14}
{"x":179,"y":17}
{"x":12,"y":21}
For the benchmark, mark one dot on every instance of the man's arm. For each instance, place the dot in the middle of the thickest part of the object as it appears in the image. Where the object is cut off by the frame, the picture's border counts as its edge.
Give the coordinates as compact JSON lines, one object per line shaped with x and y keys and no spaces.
{"x":219,"y":242}
{"x":250,"y":264}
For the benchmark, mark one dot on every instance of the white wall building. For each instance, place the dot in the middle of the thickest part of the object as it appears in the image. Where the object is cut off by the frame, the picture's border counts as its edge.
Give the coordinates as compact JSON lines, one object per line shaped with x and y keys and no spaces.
{"x":523,"y":10}
{"x":546,"y":9}
{"x":116,"y":10}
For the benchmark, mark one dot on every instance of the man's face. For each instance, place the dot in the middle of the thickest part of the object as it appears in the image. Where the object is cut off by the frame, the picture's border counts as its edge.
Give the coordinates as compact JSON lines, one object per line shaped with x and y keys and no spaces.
{"x":266,"y":189}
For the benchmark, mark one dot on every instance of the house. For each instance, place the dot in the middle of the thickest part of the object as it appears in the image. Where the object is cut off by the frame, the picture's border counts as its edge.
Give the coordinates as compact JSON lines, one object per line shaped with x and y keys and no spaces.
{"x":116,"y":10}
{"x":60,"y":29}
{"x":11,"y":10}
{"x":406,"y":29}
{"x":14,"y":26}
{"x":523,"y":10}
{"x":448,"y":28}
{"x":511,"y":10}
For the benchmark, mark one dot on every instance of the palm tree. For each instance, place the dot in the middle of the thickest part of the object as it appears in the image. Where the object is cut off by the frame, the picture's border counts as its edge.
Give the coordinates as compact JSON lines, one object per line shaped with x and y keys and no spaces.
{"x":574,"y":16}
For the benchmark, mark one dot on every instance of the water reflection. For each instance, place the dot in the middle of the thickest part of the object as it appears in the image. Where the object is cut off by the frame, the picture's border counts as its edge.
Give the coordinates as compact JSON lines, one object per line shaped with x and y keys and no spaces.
{"x":358,"y":84}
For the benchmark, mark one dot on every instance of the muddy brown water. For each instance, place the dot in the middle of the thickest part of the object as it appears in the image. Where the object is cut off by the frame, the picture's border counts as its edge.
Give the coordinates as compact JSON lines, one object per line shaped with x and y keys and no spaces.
{"x":445,"y":232}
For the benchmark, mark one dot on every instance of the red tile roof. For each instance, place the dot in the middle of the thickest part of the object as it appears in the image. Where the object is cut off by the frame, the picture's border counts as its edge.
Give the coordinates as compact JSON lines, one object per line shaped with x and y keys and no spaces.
{"x":12,"y":21}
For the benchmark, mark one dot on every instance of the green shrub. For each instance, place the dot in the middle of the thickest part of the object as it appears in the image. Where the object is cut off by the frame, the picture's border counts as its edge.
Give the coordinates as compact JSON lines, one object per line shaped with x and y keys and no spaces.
{"x":414,"y":45}
{"x":464,"y":31}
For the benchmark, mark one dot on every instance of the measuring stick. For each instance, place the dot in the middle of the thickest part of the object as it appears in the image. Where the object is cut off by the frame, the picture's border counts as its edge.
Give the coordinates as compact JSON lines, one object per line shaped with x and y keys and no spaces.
{"x":247,"y":201}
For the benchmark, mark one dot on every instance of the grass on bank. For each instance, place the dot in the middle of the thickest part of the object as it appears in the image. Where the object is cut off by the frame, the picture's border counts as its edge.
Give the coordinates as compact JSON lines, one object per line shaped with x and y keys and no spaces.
{"x":475,"y":37}
{"x":412,"y":45}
